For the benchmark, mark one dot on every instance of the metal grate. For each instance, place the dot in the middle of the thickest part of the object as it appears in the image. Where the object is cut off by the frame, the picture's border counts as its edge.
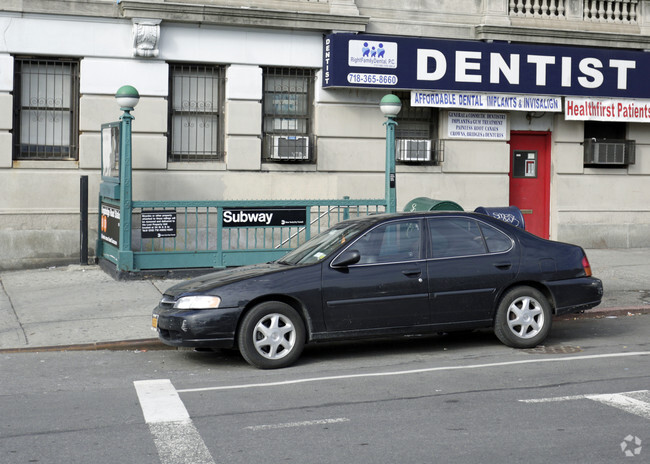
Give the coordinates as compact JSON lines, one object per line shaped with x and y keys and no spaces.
{"x":196,"y":113}
{"x":46,"y":98}
{"x":287,"y":107}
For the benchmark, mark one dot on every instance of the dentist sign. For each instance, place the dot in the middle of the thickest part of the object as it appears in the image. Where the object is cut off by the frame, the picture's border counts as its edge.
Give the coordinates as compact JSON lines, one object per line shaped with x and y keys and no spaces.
{"x":355,"y":60}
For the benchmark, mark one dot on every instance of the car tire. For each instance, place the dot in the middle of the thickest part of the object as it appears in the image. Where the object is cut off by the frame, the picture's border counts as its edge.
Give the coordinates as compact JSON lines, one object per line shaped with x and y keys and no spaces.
{"x":523,"y":318}
{"x":271,"y":335}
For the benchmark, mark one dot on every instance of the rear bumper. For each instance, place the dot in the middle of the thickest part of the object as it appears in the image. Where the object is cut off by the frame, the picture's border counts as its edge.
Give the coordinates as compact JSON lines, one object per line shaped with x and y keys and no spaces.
{"x":575,"y":295}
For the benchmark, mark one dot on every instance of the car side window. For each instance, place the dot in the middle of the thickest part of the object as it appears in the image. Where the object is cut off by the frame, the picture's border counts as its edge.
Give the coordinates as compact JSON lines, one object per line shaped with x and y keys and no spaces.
{"x":455,"y":236}
{"x":497,"y":241}
{"x":393,"y":242}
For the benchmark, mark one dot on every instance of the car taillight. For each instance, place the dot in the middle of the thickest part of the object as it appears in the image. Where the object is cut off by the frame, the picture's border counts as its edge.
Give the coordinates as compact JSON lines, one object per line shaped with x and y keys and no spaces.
{"x":586,"y":266}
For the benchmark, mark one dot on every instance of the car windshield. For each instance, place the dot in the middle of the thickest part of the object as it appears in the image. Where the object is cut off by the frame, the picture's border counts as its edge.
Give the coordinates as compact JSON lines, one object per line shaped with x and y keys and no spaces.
{"x":321,"y":246}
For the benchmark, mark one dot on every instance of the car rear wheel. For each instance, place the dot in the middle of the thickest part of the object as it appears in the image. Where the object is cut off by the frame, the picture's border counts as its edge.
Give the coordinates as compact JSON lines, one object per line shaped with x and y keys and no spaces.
{"x":523,"y":318}
{"x":271,"y":335}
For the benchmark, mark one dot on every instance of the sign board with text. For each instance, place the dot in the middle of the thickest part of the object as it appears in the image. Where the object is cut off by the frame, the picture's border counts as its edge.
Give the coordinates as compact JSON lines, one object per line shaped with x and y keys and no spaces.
{"x":260,"y":217}
{"x":110,"y":224}
{"x":420,"y":63}
{"x":158,"y":224}
{"x":487,"y":126}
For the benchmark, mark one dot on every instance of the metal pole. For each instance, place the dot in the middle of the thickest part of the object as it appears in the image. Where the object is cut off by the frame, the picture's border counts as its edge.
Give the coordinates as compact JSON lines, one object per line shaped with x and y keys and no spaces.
{"x":125,"y":258}
{"x":390,"y":193}
{"x":83,"y":220}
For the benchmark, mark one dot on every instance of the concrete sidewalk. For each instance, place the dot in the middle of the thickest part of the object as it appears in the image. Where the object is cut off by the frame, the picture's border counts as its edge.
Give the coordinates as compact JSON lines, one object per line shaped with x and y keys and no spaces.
{"x":82,"y":307}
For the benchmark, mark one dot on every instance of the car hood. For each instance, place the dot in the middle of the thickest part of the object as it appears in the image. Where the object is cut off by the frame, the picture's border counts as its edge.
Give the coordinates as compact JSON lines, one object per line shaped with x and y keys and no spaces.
{"x":223,"y":277}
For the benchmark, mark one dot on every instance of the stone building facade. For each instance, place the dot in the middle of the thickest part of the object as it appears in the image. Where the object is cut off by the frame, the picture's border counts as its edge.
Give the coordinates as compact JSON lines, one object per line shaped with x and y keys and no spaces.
{"x":235,"y":106}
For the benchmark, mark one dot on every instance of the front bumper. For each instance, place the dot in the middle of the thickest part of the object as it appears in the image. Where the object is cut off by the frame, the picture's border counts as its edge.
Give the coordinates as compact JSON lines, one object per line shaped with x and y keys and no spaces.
{"x":213,"y":328}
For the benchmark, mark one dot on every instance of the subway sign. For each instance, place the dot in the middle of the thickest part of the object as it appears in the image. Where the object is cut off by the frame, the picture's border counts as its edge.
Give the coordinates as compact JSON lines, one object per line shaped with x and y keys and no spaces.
{"x":281,"y":216}
{"x":372,"y":61}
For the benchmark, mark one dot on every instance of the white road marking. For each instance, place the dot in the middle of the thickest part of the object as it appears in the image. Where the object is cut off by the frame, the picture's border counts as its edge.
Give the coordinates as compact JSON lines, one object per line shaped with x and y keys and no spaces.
{"x":624,"y":402}
{"x":635,"y":402}
{"x":176,"y":438}
{"x":297,"y":424}
{"x":416,"y":371}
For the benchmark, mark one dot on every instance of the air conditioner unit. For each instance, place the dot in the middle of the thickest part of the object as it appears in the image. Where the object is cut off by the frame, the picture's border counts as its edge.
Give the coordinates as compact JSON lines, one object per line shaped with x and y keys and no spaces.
{"x":289,"y":147}
{"x":609,"y":152}
{"x":413,"y":150}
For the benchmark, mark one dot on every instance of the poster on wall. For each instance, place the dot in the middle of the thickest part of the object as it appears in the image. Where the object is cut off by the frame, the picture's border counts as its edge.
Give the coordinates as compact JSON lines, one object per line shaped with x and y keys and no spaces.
{"x":110,"y":224}
{"x":486,"y":126}
{"x":111,"y":151}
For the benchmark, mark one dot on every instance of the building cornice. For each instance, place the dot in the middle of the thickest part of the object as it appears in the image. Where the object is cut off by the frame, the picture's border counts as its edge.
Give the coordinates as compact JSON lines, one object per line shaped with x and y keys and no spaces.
{"x":246,"y":17}
{"x":557,"y":36}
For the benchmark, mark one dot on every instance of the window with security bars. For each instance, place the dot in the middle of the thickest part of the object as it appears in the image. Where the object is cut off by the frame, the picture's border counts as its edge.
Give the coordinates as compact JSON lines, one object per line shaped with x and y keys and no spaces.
{"x":196,"y":113}
{"x":46,"y":98}
{"x":287,"y":110}
{"x":415,"y":133}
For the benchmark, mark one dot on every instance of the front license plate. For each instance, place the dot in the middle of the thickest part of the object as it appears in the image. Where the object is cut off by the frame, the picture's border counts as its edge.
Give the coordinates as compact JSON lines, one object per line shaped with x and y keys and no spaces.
{"x":154,"y":321}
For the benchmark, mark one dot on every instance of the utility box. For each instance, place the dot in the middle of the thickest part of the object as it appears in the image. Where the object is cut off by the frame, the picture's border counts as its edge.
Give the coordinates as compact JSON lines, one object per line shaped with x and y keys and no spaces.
{"x":510,"y":214}
{"x":429,"y":204}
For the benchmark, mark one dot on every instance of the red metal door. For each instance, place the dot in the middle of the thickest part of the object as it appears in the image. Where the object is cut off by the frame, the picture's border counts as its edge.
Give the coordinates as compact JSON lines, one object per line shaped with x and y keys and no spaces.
{"x":530,"y":178}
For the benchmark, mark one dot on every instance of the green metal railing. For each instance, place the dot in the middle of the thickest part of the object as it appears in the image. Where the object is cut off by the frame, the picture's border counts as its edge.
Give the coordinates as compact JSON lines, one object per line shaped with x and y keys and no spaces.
{"x":195,"y":234}
{"x":202,"y":241}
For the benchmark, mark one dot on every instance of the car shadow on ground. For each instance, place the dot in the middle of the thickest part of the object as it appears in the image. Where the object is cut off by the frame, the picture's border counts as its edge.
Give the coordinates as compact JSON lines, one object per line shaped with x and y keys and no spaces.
{"x":469,"y":344}
{"x":568,"y":335}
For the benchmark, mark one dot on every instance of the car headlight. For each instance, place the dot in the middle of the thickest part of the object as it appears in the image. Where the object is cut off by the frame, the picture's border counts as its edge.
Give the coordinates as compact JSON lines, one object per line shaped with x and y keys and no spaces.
{"x":198,"y":302}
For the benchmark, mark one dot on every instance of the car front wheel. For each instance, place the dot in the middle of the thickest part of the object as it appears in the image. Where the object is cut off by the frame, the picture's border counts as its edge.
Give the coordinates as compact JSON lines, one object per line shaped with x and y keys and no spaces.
{"x":271,"y":335}
{"x":523,"y":318}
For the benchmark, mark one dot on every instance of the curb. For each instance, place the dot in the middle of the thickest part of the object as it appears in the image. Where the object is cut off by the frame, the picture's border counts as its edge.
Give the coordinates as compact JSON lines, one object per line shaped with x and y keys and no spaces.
{"x":122,"y":345}
{"x":154,"y":344}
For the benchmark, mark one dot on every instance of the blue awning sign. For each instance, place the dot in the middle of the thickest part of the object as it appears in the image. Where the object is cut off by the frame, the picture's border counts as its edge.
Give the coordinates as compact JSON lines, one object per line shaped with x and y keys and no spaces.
{"x":410,"y":63}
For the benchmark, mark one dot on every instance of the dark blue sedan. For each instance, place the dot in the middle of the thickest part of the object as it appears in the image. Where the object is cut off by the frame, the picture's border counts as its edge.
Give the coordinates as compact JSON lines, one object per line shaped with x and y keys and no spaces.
{"x":382,"y":275}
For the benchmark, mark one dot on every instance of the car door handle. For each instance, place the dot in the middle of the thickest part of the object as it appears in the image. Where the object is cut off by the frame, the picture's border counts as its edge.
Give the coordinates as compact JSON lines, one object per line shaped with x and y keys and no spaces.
{"x":503,"y":266}
{"x":412,"y":272}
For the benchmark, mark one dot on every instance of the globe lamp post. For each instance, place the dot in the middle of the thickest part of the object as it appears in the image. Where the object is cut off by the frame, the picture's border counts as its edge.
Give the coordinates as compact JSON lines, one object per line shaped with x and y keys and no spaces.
{"x":390,"y":106}
{"x":127,"y":97}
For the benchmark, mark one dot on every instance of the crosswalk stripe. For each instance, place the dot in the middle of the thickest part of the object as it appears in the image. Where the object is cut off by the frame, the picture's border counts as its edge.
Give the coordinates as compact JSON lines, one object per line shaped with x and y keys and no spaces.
{"x":177,"y":439}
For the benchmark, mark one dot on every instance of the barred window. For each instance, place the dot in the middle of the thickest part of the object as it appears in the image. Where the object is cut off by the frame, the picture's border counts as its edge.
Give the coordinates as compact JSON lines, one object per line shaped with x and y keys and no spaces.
{"x":416,"y":132}
{"x":46,"y":97}
{"x":196,"y":113}
{"x":287,"y":109}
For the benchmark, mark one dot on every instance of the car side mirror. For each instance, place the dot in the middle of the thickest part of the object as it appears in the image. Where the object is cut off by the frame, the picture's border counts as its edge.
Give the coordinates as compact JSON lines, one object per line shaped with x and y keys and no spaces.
{"x":347,"y":258}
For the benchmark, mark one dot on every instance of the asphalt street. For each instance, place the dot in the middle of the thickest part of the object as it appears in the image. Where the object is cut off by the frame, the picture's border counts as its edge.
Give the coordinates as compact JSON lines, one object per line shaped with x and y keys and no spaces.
{"x":447,"y":398}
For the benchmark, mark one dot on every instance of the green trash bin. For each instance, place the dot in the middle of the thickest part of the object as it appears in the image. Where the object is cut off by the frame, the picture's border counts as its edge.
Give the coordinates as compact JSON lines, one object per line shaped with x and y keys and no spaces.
{"x":429,"y":204}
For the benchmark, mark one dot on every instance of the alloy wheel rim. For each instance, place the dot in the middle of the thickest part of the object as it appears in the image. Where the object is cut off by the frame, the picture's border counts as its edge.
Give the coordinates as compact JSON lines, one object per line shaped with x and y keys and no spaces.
{"x":274,"y":336}
{"x":525,"y":317}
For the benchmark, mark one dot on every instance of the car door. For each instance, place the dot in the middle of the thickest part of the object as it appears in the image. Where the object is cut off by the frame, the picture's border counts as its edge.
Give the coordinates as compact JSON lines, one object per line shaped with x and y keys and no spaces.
{"x":470,"y":262}
{"x":387,"y":287}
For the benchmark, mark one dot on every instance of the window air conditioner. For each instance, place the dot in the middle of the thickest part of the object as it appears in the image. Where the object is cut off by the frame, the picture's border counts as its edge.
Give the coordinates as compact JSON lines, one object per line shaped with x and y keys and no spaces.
{"x":289,"y":147}
{"x":609,"y":152}
{"x":413,"y":150}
